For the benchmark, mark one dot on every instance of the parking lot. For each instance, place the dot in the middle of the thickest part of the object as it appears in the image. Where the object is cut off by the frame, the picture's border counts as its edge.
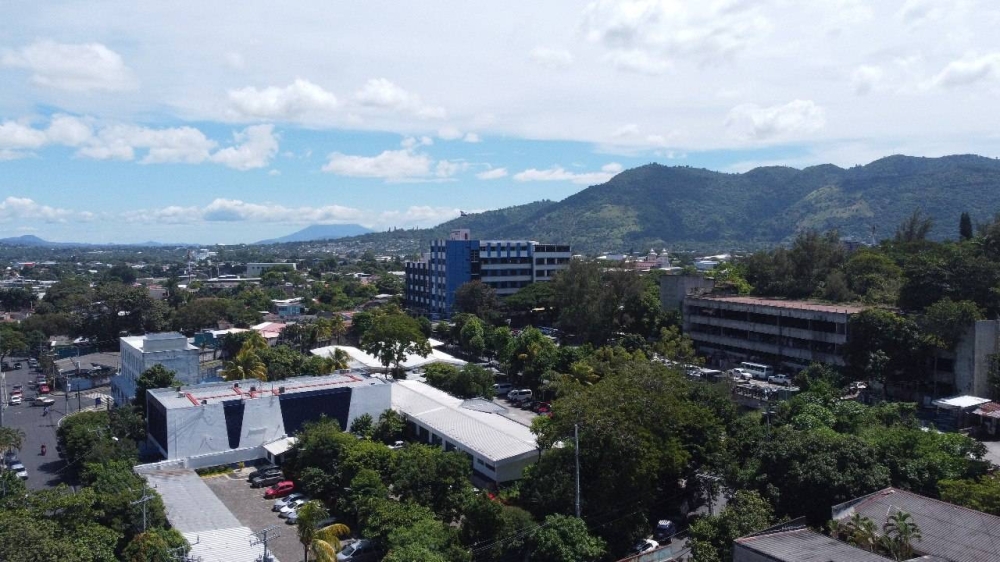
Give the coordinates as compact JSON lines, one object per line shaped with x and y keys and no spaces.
{"x":514,"y":413}
{"x":251,"y":509}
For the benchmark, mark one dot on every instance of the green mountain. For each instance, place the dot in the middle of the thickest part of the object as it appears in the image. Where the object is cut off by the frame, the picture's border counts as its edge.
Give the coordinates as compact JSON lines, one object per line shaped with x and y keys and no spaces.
{"x":682,"y":207}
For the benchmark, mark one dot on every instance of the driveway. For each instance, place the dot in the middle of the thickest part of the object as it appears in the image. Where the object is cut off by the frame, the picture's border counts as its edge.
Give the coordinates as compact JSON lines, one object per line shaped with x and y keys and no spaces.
{"x":250,"y":507}
{"x":992,"y":452}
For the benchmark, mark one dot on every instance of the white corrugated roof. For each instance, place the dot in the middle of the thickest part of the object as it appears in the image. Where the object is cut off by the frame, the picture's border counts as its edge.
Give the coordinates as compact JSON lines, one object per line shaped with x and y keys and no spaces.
{"x":412,"y":360}
{"x":961,"y":402}
{"x":280,"y":446}
{"x":195,"y":511}
{"x":491,"y":435}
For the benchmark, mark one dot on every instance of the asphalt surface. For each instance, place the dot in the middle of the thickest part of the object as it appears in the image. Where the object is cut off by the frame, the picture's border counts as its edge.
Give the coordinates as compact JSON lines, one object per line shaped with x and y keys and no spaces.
{"x":43,"y":471}
{"x":251,"y":509}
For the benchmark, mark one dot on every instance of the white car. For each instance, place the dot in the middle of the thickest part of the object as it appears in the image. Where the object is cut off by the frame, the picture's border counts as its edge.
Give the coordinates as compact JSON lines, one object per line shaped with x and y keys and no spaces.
{"x":291,"y":507}
{"x":280,"y":503}
{"x":783,"y":380}
{"x":645,"y":545}
{"x":15,"y":399}
{"x":18,"y":468}
{"x":740,"y":374}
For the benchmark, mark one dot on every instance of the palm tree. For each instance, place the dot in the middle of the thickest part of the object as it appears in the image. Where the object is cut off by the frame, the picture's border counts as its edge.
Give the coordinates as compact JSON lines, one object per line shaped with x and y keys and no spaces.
{"x":11,"y":438}
{"x":900,"y":530}
{"x":337,"y":327}
{"x":254,"y":342}
{"x":246,"y":365}
{"x":340,"y":359}
{"x":862,"y":533}
{"x":324,"y":542}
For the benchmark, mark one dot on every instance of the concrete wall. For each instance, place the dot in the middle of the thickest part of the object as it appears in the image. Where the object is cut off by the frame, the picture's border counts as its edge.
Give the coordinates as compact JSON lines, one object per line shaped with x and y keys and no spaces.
{"x":972,"y":358}
{"x":673,"y":289}
{"x":372,"y":400}
{"x":201,"y":430}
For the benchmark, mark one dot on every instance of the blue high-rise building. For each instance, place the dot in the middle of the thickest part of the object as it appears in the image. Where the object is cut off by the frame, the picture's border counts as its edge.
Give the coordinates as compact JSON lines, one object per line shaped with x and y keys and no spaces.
{"x":505,"y":265}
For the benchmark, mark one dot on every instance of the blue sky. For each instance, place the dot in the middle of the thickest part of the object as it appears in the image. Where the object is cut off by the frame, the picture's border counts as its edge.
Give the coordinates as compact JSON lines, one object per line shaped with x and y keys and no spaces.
{"x":196,"y":122}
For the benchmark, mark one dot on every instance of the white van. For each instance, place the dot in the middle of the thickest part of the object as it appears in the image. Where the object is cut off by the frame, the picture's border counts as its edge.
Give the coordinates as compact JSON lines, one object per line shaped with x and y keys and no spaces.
{"x":758,"y":370}
{"x":502,"y":388}
{"x":519,"y":395}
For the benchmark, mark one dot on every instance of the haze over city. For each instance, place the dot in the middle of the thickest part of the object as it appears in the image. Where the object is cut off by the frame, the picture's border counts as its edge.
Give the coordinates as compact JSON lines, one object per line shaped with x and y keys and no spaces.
{"x":199,"y":122}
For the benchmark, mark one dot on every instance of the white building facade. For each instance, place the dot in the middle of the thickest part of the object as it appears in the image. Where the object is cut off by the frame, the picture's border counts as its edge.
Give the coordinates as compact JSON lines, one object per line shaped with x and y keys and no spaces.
{"x":257,"y":269}
{"x":138,"y":353}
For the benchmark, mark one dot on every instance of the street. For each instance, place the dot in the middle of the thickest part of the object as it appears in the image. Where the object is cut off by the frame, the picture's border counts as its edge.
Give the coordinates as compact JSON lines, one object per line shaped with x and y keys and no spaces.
{"x":43,"y":471}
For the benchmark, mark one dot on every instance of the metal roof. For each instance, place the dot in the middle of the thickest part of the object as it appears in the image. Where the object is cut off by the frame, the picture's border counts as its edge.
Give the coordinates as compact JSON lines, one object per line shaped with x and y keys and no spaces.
{"x":412,"y":360}
{"x":194,"y":510}
{"x":950,"y":532}
{"x":804,"y":545}
{"x":491,"y":435}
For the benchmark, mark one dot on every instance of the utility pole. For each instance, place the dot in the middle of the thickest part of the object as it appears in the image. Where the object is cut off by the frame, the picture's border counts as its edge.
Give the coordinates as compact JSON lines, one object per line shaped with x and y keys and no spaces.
{"x":263,"y":537}
{"x":576,"y":452}
{"x":145,"y":498}
{"x":711,"y":479}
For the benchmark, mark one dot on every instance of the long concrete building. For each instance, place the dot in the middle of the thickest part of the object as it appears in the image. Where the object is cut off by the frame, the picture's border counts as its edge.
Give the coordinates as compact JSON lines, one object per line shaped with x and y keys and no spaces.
{"x":730,"y":329}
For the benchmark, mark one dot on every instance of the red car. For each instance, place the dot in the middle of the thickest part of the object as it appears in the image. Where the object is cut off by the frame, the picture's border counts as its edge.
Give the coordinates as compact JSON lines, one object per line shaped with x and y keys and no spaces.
{"x":279,"y":490}
{"x":43,"y":389}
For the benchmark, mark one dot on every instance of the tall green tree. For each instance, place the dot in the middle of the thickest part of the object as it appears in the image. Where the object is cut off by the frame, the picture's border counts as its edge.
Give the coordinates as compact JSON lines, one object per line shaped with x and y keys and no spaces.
{"x":565,"y":539}
{"x":156,"y":376}
{"x":965,"y":227}
{"x":392,"y":337}
{"x":712,"y":537}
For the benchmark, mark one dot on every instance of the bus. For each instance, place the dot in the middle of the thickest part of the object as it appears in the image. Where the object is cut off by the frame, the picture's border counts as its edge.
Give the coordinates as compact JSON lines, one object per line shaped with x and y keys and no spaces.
{"x":758,"y":370}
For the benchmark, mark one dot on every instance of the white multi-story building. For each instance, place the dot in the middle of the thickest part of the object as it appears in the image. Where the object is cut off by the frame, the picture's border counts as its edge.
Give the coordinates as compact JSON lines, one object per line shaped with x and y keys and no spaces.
{"x":138,"y":353}
{"x":258,"y":269}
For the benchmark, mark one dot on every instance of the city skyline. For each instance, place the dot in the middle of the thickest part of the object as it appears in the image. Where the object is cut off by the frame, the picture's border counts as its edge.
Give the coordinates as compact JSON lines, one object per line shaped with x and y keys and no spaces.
{"x":196,"y":123}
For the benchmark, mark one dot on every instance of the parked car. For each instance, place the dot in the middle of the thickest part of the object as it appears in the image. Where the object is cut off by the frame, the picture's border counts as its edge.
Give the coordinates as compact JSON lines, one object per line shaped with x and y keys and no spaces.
{"x":16,"y":389}
{"x":17,"y":365}
{"x":266,"y":480}
{"x":278,"y":504}
{"x":521,"y":395}
{"x":645,"y":545}
{"x":291,"y":507}
{"x":43,"y":388}
{"x":6,"y":366}
{"x":502,"y":388}
{"x":541,"y":407}
{"x":44,"y":401}
{"x":527,"y":405}
{"x":397,"y":445}
{"x":15,"y":399}
{"x":292,"y":518}
{"x":362,"y":550}
{"x":266,"y":470}
{"x":783,"y":380}
{"x":279,"y":490}
{"x":740,"y":374}
{"x":664,"y":531}
{"x":18,"y":468}
{"x":10,"y":457}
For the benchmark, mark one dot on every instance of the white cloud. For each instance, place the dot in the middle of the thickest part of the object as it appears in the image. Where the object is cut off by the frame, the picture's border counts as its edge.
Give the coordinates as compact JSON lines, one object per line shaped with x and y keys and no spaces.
{"x":421,"y":215}
{"x":917,"y":12}
{"x":648,"y":35}
{"x":273,"y":172}
{"x":449,"y":133}
{"x":390,"y":165}
{"x":14,"y":135}
{"x":413,"y":142}
{"x":471,"y":138}
{"x":168,"y":145}
{"x":7,"y":154}
{"x":865,"y":79}
{"x":72,"y":67}
{"x":753,"y":122}
{"x":68,"y":130}
{"x":495,"y":173}
{"x":21,"y":208}
{"x":235,"y":210}
{"x":628,"y":130}
{"x":448,"y":168}
{"x":380,"y":93}
{"x":551,"y":58}
{"x":296,"y":101}
{"x":968,"y":70}
{"x":558,"y":173}
{"x":255,"y":147}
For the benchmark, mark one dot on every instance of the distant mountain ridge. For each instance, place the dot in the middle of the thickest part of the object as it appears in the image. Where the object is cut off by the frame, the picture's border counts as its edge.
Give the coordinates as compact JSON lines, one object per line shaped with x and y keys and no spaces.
{"x":655,"y":206}
{"x":316,"y":232}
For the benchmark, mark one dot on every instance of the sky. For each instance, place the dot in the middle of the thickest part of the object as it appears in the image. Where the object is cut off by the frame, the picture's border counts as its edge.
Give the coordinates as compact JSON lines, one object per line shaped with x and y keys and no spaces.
{"x":215,"y":122}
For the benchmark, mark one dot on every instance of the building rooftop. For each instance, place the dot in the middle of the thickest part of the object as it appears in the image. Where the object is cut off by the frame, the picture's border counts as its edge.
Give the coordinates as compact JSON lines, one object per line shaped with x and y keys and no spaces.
{"x":88,"y":362}
{"x":368,"y":361}
{"x":805,"y":545}
{"x":950,"y":532}
{"x":210,"y":393}
{"x":782,"y":303}
{"x":194,"y":510}
{"x":162,"y":341}
{"x":491,"y":435}
{"x":960,"y":402}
